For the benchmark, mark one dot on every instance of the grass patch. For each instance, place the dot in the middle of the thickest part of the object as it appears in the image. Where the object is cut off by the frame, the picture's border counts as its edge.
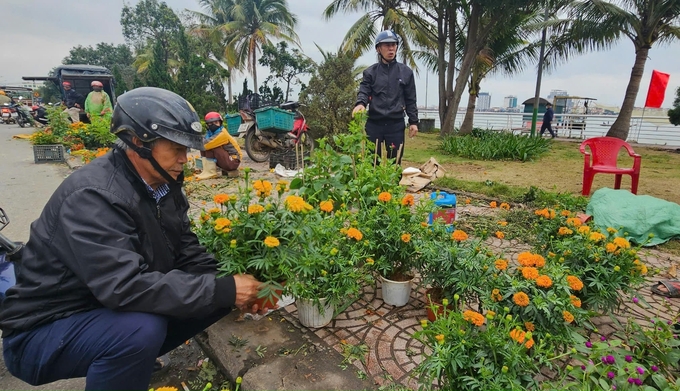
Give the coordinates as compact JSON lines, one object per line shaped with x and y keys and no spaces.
{"x":490,"y":145}
{"x":672,"y":247}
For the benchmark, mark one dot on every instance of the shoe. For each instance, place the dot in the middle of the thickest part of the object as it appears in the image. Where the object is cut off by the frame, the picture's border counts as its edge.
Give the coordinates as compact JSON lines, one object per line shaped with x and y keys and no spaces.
{"x":209,"y":169}
{"x":162,"y":364}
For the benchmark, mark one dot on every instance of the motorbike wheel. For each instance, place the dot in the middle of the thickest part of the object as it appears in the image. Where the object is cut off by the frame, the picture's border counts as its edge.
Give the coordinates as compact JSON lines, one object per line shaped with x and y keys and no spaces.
{"x":22,"y":124}
{"x":254,"y":148}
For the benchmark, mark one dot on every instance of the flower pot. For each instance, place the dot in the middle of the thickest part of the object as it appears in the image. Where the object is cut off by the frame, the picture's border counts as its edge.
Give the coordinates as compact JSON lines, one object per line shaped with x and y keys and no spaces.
{"x":270,"y":301}
{"x":309,"y":314}
{"x":433,"y":299}
{"x":396,"y":293}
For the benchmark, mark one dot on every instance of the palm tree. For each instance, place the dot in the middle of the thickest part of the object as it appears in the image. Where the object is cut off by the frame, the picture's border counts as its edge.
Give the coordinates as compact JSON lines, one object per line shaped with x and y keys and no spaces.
{"x":253,"y":23}
{"x":598,"y":24}
{"x":395,"y":15}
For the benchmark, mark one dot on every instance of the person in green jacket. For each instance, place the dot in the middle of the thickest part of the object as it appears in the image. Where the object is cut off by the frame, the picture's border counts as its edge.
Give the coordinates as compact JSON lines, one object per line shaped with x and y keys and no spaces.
{"x":98,"y":102}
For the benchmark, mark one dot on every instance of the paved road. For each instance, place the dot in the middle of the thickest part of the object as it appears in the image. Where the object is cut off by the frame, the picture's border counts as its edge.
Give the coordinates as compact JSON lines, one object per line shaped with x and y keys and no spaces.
{"x":25,"y":187}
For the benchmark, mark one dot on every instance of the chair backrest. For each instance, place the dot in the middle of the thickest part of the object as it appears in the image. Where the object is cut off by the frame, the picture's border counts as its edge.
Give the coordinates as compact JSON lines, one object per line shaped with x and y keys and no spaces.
{"x":604,"y":150}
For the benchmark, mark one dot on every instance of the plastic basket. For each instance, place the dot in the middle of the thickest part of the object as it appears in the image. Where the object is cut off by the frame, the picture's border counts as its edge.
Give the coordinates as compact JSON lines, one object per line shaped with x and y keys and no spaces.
{"x":287,"y":158}
{"x":272,"y":118}
{"x":233,"y":123}
{"x":48,"y":153}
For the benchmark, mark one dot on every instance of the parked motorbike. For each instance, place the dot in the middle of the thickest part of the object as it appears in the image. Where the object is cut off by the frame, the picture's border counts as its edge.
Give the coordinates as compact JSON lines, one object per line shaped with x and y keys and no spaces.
{"x":260,"y":143}
{"x":10,"y":252}
{"x":6,"y":114}
{"x":16,"y":113}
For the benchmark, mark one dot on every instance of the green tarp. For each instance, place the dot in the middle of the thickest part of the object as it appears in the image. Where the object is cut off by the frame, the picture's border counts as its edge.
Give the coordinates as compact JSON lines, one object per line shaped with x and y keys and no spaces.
{"x":636,"y":215}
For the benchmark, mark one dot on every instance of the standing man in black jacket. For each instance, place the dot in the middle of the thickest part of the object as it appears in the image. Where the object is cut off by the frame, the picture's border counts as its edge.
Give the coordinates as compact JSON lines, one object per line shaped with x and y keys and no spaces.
{"x":112,"y":275}
{"x":388,"y":89}
{"x":73,"y":101}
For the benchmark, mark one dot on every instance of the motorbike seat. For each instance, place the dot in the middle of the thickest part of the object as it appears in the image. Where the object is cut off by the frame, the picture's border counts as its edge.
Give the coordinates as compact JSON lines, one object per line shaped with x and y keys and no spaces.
{"x":291,"y":105}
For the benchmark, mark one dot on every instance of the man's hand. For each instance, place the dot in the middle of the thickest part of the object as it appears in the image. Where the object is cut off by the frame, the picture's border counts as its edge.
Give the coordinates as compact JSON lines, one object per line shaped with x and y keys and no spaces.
{"x":412,"y":131}
{"x":76,"y":105}
{"x":247,"y":288}
{"x":358,"y":108}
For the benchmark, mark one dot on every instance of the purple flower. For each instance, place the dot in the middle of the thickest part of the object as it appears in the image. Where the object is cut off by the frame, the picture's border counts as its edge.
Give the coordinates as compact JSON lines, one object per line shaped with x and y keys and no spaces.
{"x":638,"y":382}
{"x":640,"y":370}
{"x":655,"y":368}
{"x":610,"y":359}
{"x":613,"y":386}
{"x":630,"y":380}
{"x":583,"y":367}
{"x":635,"y":300}
{"x":625,"y":369}
{"x":604,"y":359}
{"x":610,"y":375}
{"x":603,"y":338}
{"x":589,"y":344}
{"x":629,"y":359}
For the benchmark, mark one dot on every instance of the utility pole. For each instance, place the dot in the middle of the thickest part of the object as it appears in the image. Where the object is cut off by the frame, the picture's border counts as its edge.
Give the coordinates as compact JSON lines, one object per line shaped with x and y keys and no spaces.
{"x":541,"y":58}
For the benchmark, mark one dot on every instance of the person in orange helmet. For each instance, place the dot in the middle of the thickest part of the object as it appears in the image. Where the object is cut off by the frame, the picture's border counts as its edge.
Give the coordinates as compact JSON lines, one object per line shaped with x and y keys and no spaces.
{"x":221,"y":150}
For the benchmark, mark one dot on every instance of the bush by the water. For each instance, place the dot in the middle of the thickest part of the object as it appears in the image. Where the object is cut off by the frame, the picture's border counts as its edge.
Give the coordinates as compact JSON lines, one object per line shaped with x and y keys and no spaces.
{"x":491,"y":145}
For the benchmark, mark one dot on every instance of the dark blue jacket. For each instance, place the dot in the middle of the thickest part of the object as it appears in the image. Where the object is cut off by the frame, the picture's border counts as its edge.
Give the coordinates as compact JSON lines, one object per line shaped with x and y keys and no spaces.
{"x":549,"y":115}
{"x":389,"y":90}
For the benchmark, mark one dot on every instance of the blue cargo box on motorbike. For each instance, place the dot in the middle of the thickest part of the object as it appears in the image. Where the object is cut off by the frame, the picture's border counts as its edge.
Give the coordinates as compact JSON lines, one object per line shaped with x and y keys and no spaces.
{"x":274,"y":119}
{"x":233,"y":123}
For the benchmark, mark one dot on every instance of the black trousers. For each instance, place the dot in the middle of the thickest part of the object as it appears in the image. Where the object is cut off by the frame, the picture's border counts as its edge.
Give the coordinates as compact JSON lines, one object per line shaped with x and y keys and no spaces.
{"x":391,"y":134}
{"x":547,"y":125}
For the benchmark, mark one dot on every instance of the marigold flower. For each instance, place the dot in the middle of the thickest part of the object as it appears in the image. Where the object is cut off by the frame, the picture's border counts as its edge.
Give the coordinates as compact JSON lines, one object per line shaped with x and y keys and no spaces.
{"x":221,"y":198}
{"x":439,"y":338}
{"x":529,"y":326}
{"x":575,"y":301}
{"x":518,"y":335}
{"x":326,"y":206}
{"x":500,"y":235}
{"x":568,"y":317}
{"x":529,"y":344}
{"x":408,"y":200}
{"x":565,"y":213}
{"x":370,"y":261}
{"x":596,"y":237}
{"x":521,"y":299}
{"x":296,"y":204}
{"x":622,"y":242}
{"x":492,"y":204}
{"x":262,"y":188}
{"x":165,"y":388}
{"x":612,"y":230}
{"x":467,"y":201}
{"x":271,"y":241}
{"x":503,"y":223}
{"x":563,"y":231}
{"x":643,"y":269}
{"x":539,"y":261}
{"x":584,"y":229}
{"x":406,"y":237}
{"x":355,"y":234}
{"x":223,"y":222}
{"x":544,"y":281}
{"x":474,"y":317}
{"x":384,"y":197}
{"x":574,"y":221}
{"x":574,"y":283}
{"x":205,"y":217}
{"x":255,"y":209}
{"x":530,"y":273}
{"x":611,"y":247}
{"x":505,"y":205}
{"x":526,"y":259}
{"x":501,"y":264}
{"x":496,"y":295}
{"x":213,"y":210}
{"x":459,"y":235}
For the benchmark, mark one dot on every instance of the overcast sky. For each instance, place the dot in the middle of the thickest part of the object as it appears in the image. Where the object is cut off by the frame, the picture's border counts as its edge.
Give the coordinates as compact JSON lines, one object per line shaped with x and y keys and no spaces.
{"x":39,"y":33}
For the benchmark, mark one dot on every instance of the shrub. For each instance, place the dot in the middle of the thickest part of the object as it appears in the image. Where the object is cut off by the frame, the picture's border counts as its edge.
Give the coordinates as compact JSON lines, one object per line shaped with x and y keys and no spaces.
{"x":490,"y":145}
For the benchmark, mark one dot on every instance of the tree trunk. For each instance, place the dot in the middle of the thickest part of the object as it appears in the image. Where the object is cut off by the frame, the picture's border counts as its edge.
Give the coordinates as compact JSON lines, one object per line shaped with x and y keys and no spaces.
{"x":255,"y":90}
{"x":621,"y":126}
{"x":231,"y":94}
{"x":466,"y":126}
{"x":448,"y":122}
{"x":441,"y":67}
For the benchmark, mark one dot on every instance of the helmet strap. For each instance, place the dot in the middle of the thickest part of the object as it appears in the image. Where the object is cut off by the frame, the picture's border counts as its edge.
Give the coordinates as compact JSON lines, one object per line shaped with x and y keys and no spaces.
{"x":145,"y":153}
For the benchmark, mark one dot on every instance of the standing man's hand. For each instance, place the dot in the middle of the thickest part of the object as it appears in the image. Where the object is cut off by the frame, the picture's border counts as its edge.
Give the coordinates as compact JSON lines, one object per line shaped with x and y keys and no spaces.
{"x":412,"y":130}
{"x":247,"y":288}
{"x":358,"y":108}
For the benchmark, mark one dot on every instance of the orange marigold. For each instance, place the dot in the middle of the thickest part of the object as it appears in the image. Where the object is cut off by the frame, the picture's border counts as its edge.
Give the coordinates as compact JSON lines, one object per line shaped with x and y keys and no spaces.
{"x":439,"y":338}
{"x":500,"y":235}
{"x":355,"y":234}
{"x":408,"y":200}
{"x":575,"y":301}
{"x":503,"y":223}
{"x":518,"y":335}
{"x":539,"y":261}
{"x":564,"y":231}
{"x":496,"y":295}
{"x":493,"y":204}
{"x":565,"y":213}
{"x":220,"y":198}
{"x":459,"y":235}
{"x":223,"y":222}
{"x":611,"y":247}
{"x":596,"y":237}
{"x":529,"y":326}
{"x":406,"y":238}
{"x":529,"y":344}
{"x":530,"y":273}
{"x":296,"y":204}
{"x":501,"y":264}
{"x":584,"y":229}
{"x":326,"y":206}
{"x":544,"y":281}
{"x":574,"y":283}
{"x":255,"y":209}
{"x":568,"y":317}
{"x":213,"y":210}
{"x":474,"y":317}
{"x":622,"y":242}
{"x":521,"y":299}
{"x":505,"y":205}
{"x":262,"y":188}
{"x":384,"y":197}
{"x":467,"y":201}
{"x":526,"y":259}
{"x":574,"y":221}
{"x":271,"y":241}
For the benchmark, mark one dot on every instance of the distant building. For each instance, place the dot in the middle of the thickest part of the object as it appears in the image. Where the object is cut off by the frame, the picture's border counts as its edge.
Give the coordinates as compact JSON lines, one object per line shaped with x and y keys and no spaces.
{"x":483,"y":101}
{"x":553,"y":93}
{"x":510,"y":102}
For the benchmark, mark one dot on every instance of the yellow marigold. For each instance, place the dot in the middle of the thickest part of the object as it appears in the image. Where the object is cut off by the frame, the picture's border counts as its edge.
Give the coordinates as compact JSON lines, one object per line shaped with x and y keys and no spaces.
{"x":262,"y":186}
{"x":326,"y":206}
{"x":355,"y":234}
{"x":221,"y":198}
{"x":612,"y":230}
{"x":271,"y":241}
{"x":622,"y":242}
{"x":214,"y":210}
{"x":574,"y":221}
{"x":502,"y":223}
{"x":500,"y":235}
{"x":526,"y":258}
{"x":584,"y":229}
{"x":530,"y":273}
{"x":564,"y":231}
{"x":575,"y":301}
{"x":223,"y":221}
{"x":501,"y":264}
{"x":596,"y":237}
{"x":539,"y":261}
{"x":529,"y":344}
{"x":205,"y":217}
{"x":643,"y":269}
{"x":529,"y":326}
{"x":611,"y":247}
{"x":406,"y":238}
{"x":255,"y":209}
{"x":384,"y":197}
{"x":505,"y":205}
{"x":574,"y":283}
{"x":518,"y":335}
{"x":474,"y":317}
{"x":408,"y":200}
{"x":439,"y":338}
{"x":565,"y":213}
{"x":544,"y":281}
{"x":295,"y":203}
{"x":493,"y":204}
{"x":459,"y":235}
{"x":568,"y":317}
{"x":370,"y":261}
{"x":496,"y":295}
{"x":166,"y":388}
{"x":521,"y":299}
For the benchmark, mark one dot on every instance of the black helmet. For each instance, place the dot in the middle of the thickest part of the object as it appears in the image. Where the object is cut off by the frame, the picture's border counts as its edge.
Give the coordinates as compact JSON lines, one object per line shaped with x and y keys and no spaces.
{"x":152,"y":113}
{"x":386,"y":36}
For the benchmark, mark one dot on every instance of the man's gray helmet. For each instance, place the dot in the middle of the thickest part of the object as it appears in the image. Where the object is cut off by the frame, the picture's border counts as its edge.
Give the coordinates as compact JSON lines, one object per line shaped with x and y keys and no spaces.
{"x":386,"y":36}
{"x":152,"y":113}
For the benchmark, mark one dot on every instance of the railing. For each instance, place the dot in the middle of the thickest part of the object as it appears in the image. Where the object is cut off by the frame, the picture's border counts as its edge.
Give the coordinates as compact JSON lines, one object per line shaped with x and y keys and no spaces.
{"x":648,"y":130}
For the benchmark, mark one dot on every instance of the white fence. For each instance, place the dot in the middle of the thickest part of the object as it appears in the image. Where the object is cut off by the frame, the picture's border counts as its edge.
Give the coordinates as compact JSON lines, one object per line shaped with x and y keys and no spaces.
{"x":650,"y":130}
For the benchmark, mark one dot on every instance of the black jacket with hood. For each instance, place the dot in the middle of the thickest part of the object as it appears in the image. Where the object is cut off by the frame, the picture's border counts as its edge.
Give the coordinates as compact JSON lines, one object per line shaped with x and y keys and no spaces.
{"x":103,"y":241}
{"x":388,"y":90}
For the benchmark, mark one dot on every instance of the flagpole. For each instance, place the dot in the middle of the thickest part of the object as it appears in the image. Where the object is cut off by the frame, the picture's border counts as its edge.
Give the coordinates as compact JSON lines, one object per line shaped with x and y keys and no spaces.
{"x":637,"y":139}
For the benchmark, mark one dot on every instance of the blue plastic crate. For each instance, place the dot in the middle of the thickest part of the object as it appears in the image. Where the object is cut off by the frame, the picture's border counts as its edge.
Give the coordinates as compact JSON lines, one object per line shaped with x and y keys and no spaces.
{"x":233,"y":123}
{"x":274,"y":119}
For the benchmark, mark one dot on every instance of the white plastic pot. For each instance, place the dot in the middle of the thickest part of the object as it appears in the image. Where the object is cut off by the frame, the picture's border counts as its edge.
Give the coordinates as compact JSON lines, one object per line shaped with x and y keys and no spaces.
{"x":396,"y":293}
{"x":309,"y":314}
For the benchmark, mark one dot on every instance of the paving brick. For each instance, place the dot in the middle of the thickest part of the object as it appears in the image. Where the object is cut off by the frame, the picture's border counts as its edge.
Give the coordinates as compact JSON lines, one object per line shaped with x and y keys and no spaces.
{"x":399,"y":343}
{"x":393,"y":369}
{"x":384,"y":350}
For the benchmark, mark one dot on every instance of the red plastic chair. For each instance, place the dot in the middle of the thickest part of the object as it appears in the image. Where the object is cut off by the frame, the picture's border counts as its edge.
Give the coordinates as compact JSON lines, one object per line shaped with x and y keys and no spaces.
{"x":604,"y":152}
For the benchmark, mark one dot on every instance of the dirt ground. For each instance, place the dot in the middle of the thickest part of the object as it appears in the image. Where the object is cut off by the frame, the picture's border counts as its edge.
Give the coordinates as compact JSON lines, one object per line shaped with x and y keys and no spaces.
{"x":189,"y":367}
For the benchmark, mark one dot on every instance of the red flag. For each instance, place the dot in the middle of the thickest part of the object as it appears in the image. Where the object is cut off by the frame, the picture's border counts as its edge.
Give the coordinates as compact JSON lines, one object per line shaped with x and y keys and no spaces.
{"x":657,"y":89}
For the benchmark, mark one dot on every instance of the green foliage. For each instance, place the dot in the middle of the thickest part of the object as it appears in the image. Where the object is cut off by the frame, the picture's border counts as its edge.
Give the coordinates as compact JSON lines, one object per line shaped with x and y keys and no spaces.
{"x":284,"y":65}
{"x":104,"y":54}
{"x":94,"y":135}
{"x":49,"y":92}
{"x":58,"y":121}
{"x":44,"y":137}
{"x":158,"y":75}
{"x":120,"y":85}
{"x":330,"y":96}
{"x":150,"y":21}
{"x":674,"y":113}
{"x":490,"y":145}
